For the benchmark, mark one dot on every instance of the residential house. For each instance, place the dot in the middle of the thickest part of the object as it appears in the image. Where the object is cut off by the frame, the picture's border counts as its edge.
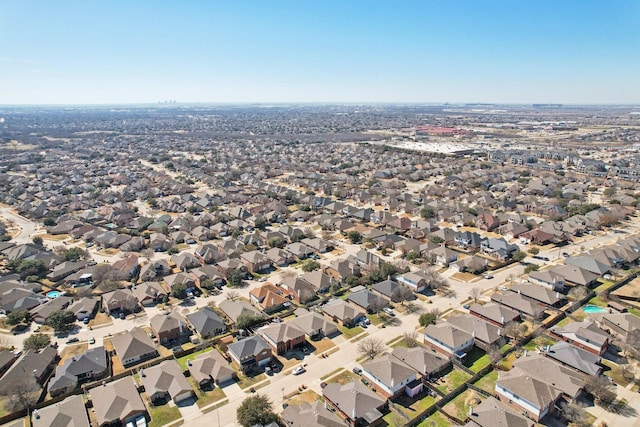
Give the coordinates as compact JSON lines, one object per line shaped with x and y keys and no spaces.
{"x":149,"y":293}
{"x":387,"y":289}
{"x":313,"y":324}
{"x":207,"y":322}
{"x":117,"y":402}
{"x":306,"y":414}
{"x":428,"y":363}
{"x":535,"y":385}
{"x":574,"y":357}
{"x":71,"y":412}
{"x":585,"y":335}
{"x":282,"y":337}
{"x":185,"y":261}
{"x":484,"y":333}
{"x":210,"y":368}
{"x":234,"y":309}
{"x":298,"y":289}
{"x":268,"y":298}
{"x":492,"y":413}
{"x":166,"y":381}
{"x":340,"y":270}
{"x":442,"y":256}
{"x":498,"y":248}
{"x":355,"y":403}
{"x":541,"y":294}
{"x":575,"y":276}
{"x":29,"y":367}
{"x":343,"y":313}
{"x":317,"y":244}
{"x":280,"y":257}
{"x":620,"y":324}
{"x":250,"y":352}
{"x":188,"y":280}
{"x":41,"y":313}
{"x":496,"y":314}
{"x":119,"y":300}
{"x":447,"y":340}
{"x":367,"y":300}
{"x":169,"y":327}
{"x":472,"y":264}
{"x":88,"y":366}
{"x":133,"y":346}
{"x":299,"y":250}
{"x":391,"y":377}
{"x":255,"y":261}
{"x":588,"y":263}
{"x":320,"y":281}
{"x":523,"y":305}
{"x":416,"y":281}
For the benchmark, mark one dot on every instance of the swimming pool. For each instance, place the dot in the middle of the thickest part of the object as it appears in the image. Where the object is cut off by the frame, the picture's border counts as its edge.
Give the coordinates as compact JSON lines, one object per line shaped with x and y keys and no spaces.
{"x":594,"y":309}
{"x":53,"y":294}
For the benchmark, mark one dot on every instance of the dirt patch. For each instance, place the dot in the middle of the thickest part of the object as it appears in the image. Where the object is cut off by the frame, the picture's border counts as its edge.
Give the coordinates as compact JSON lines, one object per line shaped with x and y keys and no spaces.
{"x":306,"y":396}
{"x":323,"y":345}
{"x":464,"y":277}
{"x":73,"y":350}
{"x":101,"y":319}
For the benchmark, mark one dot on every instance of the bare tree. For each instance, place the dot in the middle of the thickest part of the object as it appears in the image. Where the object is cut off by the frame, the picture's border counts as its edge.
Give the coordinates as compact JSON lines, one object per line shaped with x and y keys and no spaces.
{"x":434,"y":279}
{"x":515,"y":330}
{"x":632,"y":346}
{"x":577,"y":293}
{"x":377,"y":305}
{"x":628,"y":371}
{"x":413,"y":308}
{"x":410,"y":339}
{"x":5,"y":343}
{"x":601,"y":389}
{"x":22,"y":394}
{"x":575,"y":415}
{"x":147,"y":253}
{"x":494,"y":353}
{"x":84,"y":291}
{"x":475,"y":293}
{"x":289,"y":274}
{"x":401,"y":294}
{"x":371,"y":347}
{"x":232,"y":295}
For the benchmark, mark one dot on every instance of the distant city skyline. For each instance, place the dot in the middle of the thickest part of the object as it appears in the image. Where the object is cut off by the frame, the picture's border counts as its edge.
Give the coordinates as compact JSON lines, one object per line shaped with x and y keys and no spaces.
{"x":502,"y":52}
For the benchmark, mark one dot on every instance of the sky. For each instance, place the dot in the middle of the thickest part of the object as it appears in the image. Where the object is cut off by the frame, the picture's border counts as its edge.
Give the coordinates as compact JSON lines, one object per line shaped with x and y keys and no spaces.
{"x":320,"y":51}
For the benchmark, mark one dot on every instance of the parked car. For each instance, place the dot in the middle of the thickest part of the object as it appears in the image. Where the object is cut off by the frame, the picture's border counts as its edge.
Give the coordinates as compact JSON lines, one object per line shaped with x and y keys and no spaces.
{"x":389,"y":311}
{"x":357,"y":370}
{"x":72,"y":340}
{"x":268,"y":370}
{"x":488,"y":276}
{"x":299,"y":370}
{"x":92,"y":340}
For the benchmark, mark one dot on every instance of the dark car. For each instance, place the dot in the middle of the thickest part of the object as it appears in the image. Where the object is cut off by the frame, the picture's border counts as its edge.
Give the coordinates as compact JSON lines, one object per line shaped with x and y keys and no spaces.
{"x":357,"y":370}
{"x":72,"y":340}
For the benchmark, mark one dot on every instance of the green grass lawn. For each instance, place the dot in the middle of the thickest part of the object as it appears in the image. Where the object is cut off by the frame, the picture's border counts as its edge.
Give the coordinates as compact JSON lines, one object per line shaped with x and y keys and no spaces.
{"x":163,"y":414}
{"x":507,"y":362}
{"x":604,"y":285}
{"x":413,"y":406}
{"x":350,"y":332}
{"x":207,"y":397}
{"x":183,"y":360}
{"x":246,"y":382}
{"x":330,"y":374}
{"x":488,"y":382}
{"x":476,"y":360}
{"x":540,"y":341}
{"x":452,"y":380}
{"x":394,"y":419}
{"x":615,"y":373}
{"x":634,"y":311}
{"x":436,"y":420}
{"x":598,"y":301}
{"x":459,"y":407}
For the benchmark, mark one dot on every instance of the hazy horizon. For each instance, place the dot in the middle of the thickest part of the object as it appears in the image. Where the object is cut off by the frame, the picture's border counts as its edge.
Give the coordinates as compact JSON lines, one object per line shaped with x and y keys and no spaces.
{"x":330,"y":52}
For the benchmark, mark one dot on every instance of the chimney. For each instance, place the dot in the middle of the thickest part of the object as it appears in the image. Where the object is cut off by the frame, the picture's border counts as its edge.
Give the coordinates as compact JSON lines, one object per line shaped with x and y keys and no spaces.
{"x":180,"y":326}
{"x":499,"y":332}
{"x":392,"y":382}
{"x":353,"y":414}
{"x":470,"y":410}
{"x":502,"y":320}
{"x":473,"y":333}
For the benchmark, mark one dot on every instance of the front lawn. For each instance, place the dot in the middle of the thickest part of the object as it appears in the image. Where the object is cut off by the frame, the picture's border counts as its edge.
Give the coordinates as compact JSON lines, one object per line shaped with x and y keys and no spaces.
{"x":350,"y":332}
{"x":246,"y":382}
{"x":162,"y":414}
{"x":344,"y":377}
{"x":206,"y":398}
{"x":614,"y":372}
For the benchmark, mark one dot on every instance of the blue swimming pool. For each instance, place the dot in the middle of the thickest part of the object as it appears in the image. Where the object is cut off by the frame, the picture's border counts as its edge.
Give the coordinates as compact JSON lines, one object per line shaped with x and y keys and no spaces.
{"x":594,"y":309}
{"x":53,"y":294}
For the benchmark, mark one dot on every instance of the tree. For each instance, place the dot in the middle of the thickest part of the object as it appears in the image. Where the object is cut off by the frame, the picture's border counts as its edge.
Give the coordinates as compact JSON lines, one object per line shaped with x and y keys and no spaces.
{"x":354,"y":237}
{"x":173,"y":250}
{"x":413,"y":256}
{"x":377,"y":305}
{"x":255,"y":410}
{"x":401,"y":294}
{"x":352,"y":281}
{"x":429,"y":318}
{"x":36,"y":342}
{"x":475,"y":293}
{"x":245,"y":321}
{"x":578,"y":293}
{"x":21,"y":394}
{"x":494,"y":353}
{"x":534,"y":250}
{"x":61,"y":320}
{"x":15,"y":317}
{"x":575,"y":415}
{"x":27,"y":268}
{"x":179,"y":290}
{"x":261,"y":223}
{"x":427,"y":213}
{"x":49,"y":222}
{"x":515,"y":330}
{"x":37,"y":240}
{"x":276,"y":242}
{"x":310,"y":265}
{"x":207,"y":284}
{"x":232,"y":295}
{"x":74,"y":254}
{"x":519,"y":256}
{"x":371,"y":347}
{"x":410,"y":339}
{"x":632,"y":347}
{"x":235,"y":277}
{"x":600,"y":388}
{"x":530,"y":268}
